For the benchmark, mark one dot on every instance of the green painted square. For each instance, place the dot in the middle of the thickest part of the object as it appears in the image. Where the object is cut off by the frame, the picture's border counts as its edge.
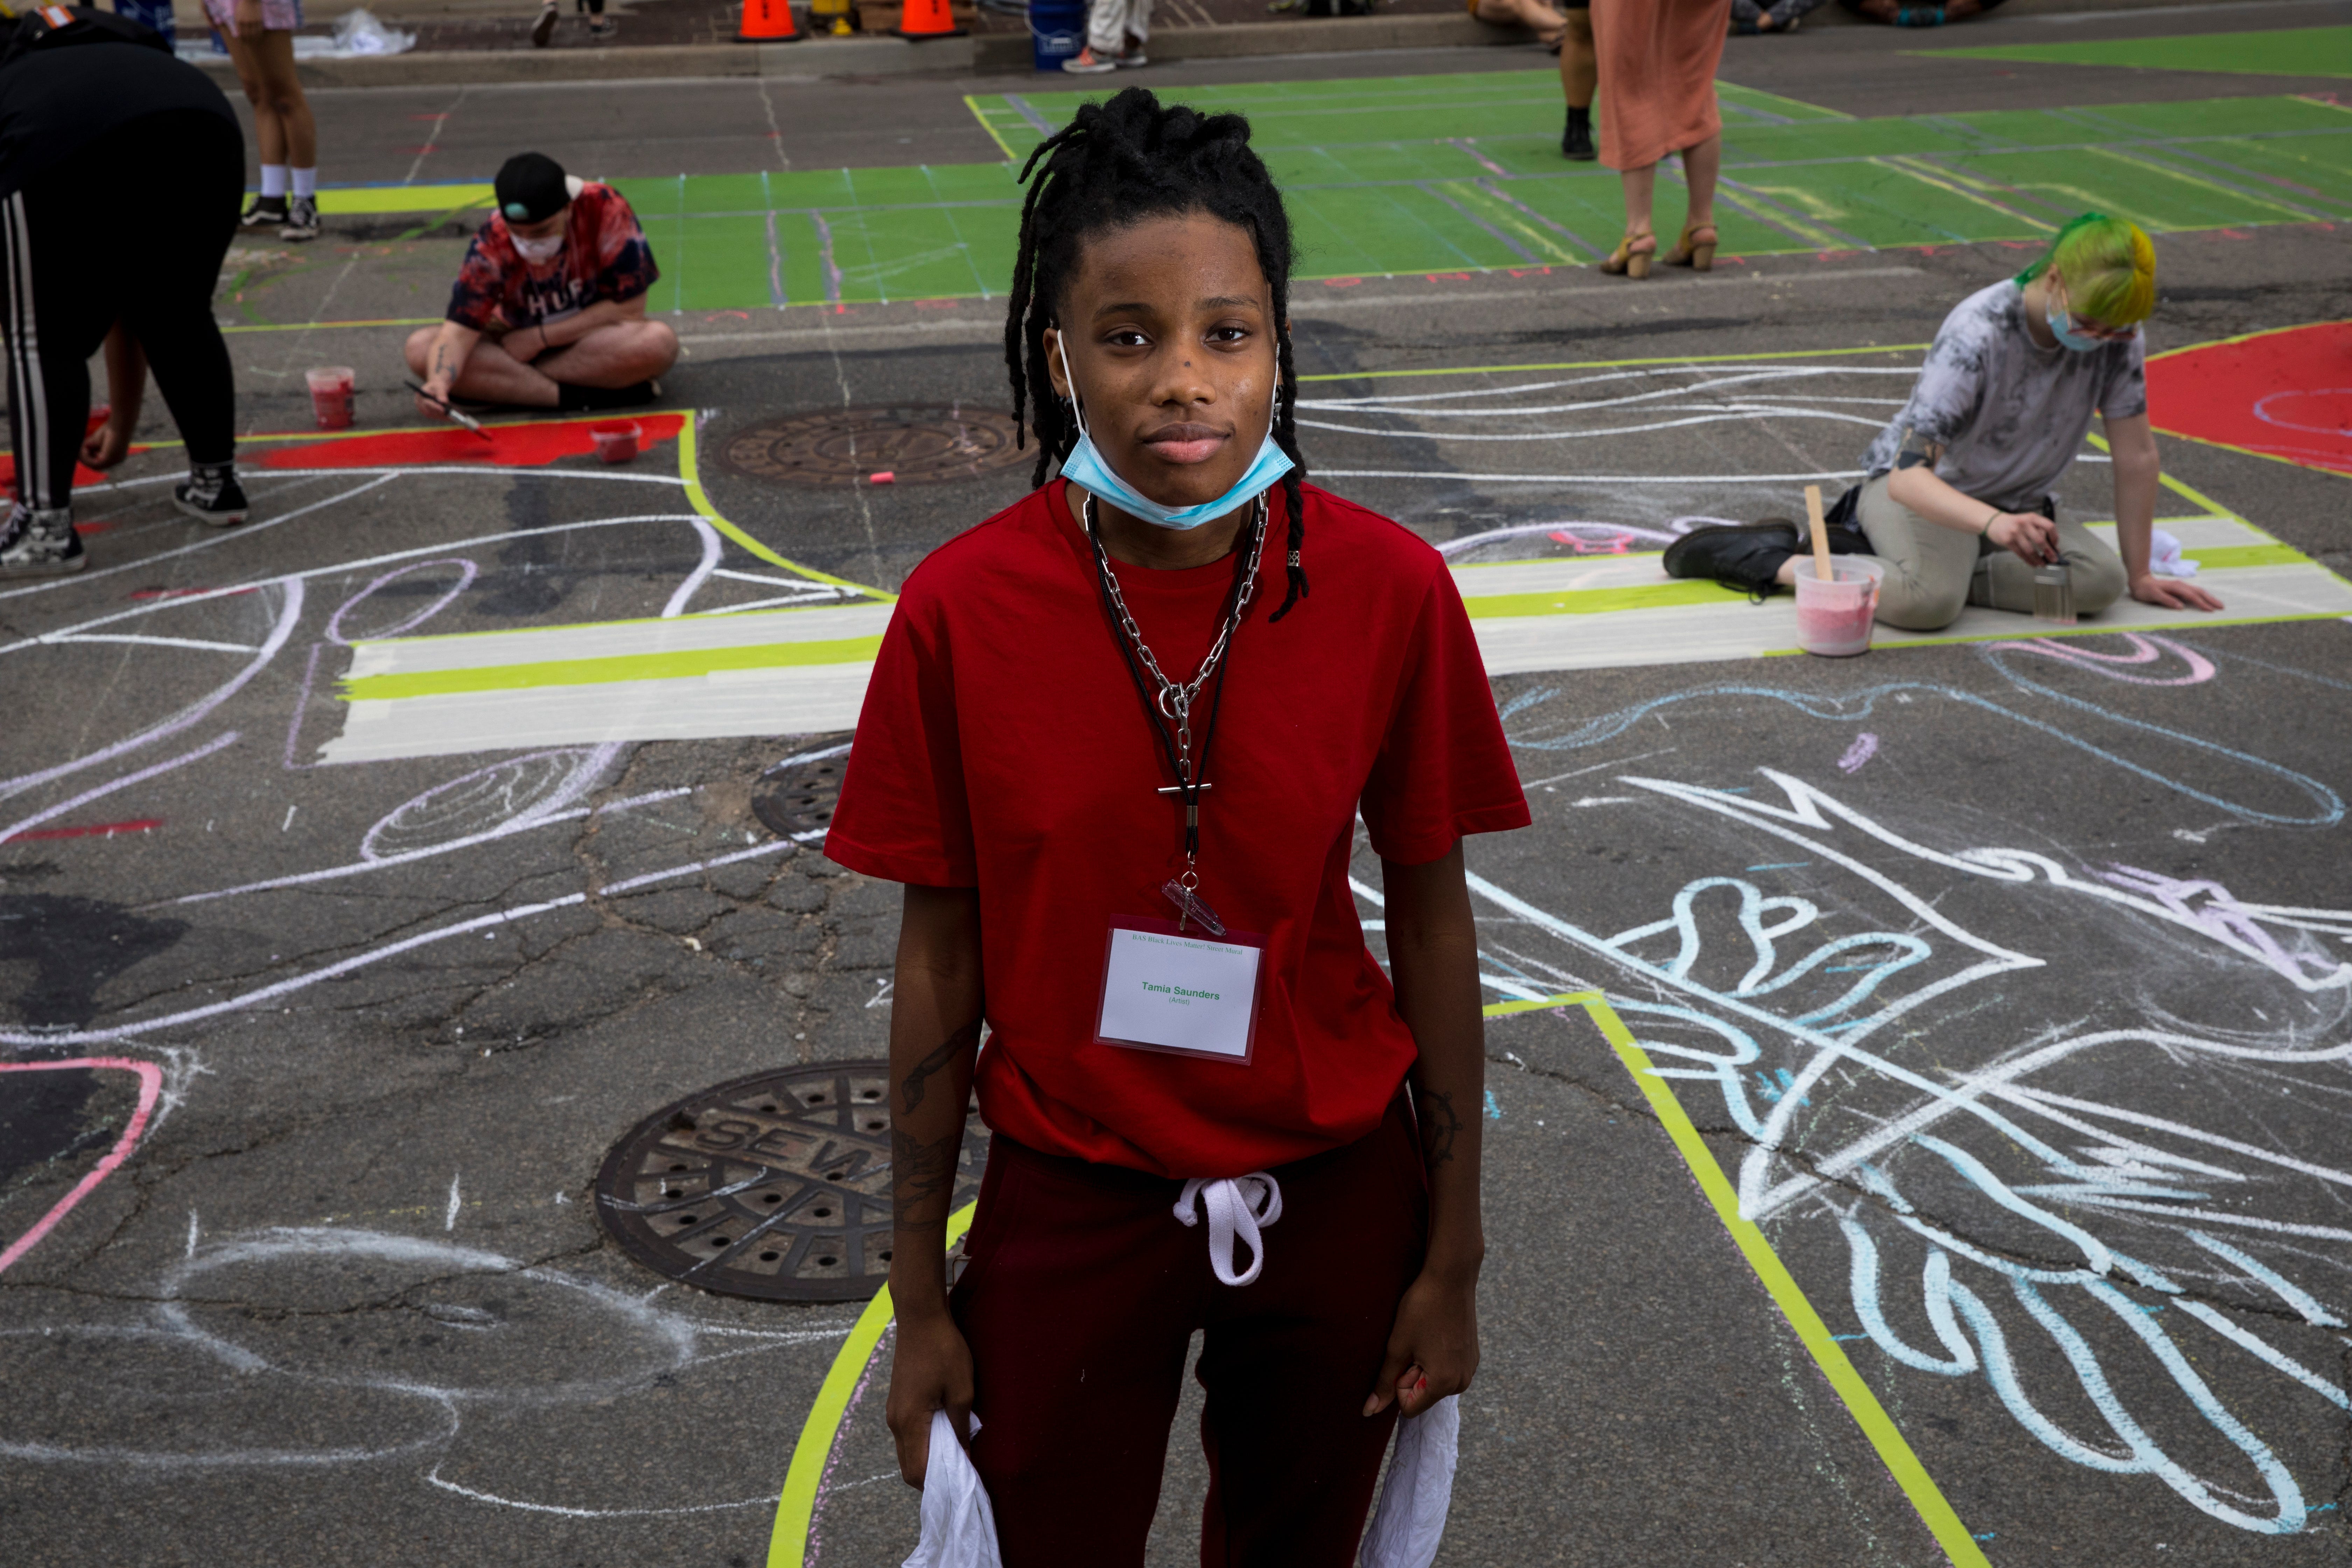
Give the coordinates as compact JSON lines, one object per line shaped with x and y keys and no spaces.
{"x":1744,"y":146}
{"x":719,"y":264}
{"x":724,"y":193}
{"x":2066,"y":184}
{"x":2310,"y":172}
{"x":1388,"y":228}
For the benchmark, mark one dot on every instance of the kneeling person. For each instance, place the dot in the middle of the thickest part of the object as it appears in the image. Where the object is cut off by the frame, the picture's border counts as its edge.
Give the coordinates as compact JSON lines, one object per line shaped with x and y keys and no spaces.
{"x":1959,"y":504}
{"x":548,"y":310}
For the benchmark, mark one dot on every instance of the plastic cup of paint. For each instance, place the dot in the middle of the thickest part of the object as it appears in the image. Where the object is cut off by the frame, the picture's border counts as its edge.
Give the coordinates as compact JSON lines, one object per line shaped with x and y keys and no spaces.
{"x":617,"y":443}
{"x":1834,"y":618}
{"x":100,"y":412}
{"x":331,"y":395}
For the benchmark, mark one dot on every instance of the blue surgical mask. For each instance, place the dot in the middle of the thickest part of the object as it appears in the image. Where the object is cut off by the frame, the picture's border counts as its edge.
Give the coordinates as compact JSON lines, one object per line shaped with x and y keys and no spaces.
{"x":1085,"y":467}
{"x":2062,"y":328}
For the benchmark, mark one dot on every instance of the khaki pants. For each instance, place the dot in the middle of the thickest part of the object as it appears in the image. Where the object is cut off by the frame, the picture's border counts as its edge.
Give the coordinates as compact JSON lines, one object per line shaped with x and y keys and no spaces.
{"x":1928,"y":566}
{"x":1109,"y":23}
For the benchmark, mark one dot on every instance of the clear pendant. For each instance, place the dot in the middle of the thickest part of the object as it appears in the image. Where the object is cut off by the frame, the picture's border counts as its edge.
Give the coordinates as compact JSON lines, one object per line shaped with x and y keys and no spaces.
{"x":1192,"y":910}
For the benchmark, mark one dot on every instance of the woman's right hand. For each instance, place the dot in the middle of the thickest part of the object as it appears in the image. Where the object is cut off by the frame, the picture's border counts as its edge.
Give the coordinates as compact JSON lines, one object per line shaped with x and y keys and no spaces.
{"x":930,"y":1369}
{"x":2028,"y":535}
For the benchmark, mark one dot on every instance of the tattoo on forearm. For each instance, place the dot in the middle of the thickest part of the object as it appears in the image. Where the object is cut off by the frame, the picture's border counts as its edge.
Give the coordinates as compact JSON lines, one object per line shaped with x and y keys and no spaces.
{"x":917,"y":1082}
{"x":923,"y":1179}
{"x":1439,"y":1127}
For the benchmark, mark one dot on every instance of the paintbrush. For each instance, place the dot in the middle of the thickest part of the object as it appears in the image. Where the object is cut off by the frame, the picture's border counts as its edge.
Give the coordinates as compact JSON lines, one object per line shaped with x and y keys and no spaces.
{"x":468,"y":420}
{"x":1820,"y":529}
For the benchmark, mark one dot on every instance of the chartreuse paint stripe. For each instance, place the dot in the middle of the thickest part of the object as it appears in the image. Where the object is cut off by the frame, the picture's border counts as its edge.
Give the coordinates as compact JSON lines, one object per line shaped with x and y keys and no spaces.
{"x":682,"y":664}
{"x":796,"y":1510}
{"x":2247,"y":555}
{"x":352,"y":201}
{"x":1935,"y":1512}
{"x":1597,"y":600}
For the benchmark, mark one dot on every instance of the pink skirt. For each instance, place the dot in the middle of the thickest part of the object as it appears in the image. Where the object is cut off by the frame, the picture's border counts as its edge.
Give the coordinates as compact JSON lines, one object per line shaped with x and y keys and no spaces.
{"x":277,"y":15}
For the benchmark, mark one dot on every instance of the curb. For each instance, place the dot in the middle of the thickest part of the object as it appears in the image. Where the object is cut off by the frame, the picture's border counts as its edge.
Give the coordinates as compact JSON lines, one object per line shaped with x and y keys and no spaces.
{"x":994,"y":54}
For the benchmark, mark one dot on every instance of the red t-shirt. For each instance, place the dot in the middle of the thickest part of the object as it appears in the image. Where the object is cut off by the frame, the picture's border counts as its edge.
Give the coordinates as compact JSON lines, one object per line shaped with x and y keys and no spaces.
{"x":604,"y":257}
{"x":1004,"y":747}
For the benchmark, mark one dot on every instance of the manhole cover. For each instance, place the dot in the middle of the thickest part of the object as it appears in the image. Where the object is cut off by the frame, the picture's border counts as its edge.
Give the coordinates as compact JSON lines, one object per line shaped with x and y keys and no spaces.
{"x":776,"y":1186}
{"x":915,"y":442}
{"x":794,"y":798}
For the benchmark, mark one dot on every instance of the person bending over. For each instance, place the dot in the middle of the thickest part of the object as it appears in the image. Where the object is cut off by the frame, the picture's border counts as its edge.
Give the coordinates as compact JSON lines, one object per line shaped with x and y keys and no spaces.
{"x":550,"y":307}
{"x":1959,"y":503}
{"x":107,"y":141}
{"x":1124,"y":798}
{"x":1565,"y":27}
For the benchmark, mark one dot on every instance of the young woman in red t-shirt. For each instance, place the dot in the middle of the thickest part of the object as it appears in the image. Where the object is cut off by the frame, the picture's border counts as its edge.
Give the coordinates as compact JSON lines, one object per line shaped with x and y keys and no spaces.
{"x":1124,"y":800}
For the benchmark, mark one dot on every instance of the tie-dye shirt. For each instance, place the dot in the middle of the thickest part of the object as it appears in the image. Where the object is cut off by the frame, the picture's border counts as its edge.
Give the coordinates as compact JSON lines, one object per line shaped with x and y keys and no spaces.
{"x":604,"y":257}
{"x":2005,"y":414}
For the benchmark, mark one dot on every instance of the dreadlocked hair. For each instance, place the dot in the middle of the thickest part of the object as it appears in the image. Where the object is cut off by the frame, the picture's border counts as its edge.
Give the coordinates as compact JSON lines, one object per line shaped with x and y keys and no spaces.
{"x":1114,"y":165}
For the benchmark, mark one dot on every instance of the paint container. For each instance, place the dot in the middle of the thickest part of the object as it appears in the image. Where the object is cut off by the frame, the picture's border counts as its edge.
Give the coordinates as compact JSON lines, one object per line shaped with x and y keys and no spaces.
{"x":2054,"y":594}
{"x":331,"y":395}
{"x":1833,"y":617}
{"x":617,"y":443}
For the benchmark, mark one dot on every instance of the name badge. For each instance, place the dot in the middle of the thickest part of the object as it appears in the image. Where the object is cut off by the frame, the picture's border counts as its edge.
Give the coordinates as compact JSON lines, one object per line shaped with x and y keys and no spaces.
{"x":1166,"y":989}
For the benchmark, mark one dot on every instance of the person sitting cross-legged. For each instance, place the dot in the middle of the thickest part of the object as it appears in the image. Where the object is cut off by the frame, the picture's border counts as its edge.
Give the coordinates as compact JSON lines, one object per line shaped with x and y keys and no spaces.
{"x":548,"y":310}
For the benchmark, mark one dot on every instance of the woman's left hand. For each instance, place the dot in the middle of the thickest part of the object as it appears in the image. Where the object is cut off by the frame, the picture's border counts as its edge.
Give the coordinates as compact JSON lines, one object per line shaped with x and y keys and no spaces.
{"x":2171,"y":593}
{"x":1433,"y":1347}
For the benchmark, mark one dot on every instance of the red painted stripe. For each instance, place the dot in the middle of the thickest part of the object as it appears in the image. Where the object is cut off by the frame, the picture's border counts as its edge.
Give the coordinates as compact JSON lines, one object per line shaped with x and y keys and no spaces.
{"x":91,"y":830}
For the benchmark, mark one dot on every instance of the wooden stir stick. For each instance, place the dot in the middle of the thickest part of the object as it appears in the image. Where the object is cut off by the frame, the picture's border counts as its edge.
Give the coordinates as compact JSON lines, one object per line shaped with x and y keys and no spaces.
{"x":1822,"y":567}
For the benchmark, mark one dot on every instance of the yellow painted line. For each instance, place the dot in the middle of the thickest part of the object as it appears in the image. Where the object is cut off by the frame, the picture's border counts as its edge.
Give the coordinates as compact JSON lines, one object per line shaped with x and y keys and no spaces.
{"x":2250,"y":337}
{"x":2036,"y":631}
{"x":973,"y":102}
{"x":689,"y":469}
{"x":2249,"y":452}
{"x":1943,"y":1521}
{"x":796,"y":1508}
{"x":1617,"y":364}
{"x":327,"y":326}
{"x":350,"y":200}
{"x":1952,"y":187}
{"x":1598,"y":601}
{"x":1737,"y":94}
{"x":2301,"y":215}
{"x":678,"y":664}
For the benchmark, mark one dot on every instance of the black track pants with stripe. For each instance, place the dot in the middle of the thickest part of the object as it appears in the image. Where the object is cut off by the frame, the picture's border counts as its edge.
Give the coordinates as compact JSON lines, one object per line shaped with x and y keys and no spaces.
{"x":132,"y":228}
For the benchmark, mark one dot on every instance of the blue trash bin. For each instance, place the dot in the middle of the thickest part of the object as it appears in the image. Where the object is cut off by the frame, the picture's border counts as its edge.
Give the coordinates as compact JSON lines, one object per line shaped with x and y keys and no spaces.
{"x":1058,"y":30}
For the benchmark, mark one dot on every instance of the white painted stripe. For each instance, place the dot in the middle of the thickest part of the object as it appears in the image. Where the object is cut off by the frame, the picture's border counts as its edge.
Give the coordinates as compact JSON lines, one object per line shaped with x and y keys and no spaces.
{"x":796,"y":700}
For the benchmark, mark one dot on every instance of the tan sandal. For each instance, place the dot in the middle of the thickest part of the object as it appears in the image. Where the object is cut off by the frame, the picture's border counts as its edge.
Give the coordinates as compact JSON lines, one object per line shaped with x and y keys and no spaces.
{"x":1633,"y":256}
{"x":1694,"y":250}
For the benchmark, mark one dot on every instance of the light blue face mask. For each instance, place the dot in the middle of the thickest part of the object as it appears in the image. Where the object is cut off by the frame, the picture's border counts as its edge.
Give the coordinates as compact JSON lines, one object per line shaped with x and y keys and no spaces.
{"x":2062,"y":328}
{"x":1085,"y":468}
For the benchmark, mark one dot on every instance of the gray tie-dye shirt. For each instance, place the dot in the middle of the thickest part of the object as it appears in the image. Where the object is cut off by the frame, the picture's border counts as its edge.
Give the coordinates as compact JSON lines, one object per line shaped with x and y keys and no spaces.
{"x":2006,"y":415}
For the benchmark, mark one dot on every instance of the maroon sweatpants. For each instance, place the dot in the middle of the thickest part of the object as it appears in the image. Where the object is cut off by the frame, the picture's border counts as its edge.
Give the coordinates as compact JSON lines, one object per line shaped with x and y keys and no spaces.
{"x":1079,"y":1302}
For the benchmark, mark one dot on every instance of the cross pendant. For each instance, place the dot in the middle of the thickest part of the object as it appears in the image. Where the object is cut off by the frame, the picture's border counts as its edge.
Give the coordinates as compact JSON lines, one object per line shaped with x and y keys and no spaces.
{"x":1192,"y":804}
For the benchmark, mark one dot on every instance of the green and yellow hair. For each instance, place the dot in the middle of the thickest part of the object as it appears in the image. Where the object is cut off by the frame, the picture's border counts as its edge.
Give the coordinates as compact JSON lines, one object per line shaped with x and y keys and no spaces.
{"x":2109,"y":266}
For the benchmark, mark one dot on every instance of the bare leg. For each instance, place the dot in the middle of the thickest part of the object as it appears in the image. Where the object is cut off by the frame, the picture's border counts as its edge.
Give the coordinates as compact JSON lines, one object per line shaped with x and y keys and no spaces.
{"x":493,"y":375}
{"x":1579,"y":70}
{"x":1640,"y":186}
{"x":268,"y":131}
{"x":273,"y":56}
{"x":1533,"y":15}
{"x":1701,"y":164}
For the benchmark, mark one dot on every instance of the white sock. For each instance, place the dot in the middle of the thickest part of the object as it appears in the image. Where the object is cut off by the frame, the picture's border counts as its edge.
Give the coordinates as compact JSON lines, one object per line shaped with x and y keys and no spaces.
{"x":273,"y":181}
{"x":306,"y":182}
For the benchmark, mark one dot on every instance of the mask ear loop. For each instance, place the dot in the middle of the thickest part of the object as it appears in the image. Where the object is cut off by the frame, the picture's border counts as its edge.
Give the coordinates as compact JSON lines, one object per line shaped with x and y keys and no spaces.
{"x":1062,"y":353}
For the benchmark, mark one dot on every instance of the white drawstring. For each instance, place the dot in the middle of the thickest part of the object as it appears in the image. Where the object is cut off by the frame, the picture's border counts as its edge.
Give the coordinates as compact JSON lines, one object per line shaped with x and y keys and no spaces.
{"x":1238,"y":1207}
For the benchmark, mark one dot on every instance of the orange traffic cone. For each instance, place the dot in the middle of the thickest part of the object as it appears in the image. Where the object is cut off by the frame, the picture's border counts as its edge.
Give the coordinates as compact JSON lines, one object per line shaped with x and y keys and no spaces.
{"x":767,"y":22}
{"x":920,"y":19}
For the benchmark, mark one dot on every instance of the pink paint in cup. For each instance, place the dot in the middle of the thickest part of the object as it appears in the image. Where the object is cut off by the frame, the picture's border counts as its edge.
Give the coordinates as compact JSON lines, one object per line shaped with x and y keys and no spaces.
{"x":1833,"y":617}
{"x":331,"y":395}
{"x":617,"y":443}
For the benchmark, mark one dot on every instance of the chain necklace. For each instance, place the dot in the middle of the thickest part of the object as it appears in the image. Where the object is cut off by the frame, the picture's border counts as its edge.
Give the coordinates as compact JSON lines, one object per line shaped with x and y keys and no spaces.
{"x":1174,"y":702}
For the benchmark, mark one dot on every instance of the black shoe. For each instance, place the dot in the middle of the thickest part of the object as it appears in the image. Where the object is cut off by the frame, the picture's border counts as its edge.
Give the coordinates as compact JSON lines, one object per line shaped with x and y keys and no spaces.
{"x":211,"y":494}
{"x":302,"y":218}
{"x":264,"y":211}
{"x":1745,"y":556}
{"x":571,"y":399}
{"x":1576,"y":141}
{"x":544,"y":28}
{"x":40,"y":543}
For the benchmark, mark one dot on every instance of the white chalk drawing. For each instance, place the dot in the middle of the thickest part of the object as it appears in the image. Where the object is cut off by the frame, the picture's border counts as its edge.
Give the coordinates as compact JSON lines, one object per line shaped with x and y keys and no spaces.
{"x":2038,"y":1209}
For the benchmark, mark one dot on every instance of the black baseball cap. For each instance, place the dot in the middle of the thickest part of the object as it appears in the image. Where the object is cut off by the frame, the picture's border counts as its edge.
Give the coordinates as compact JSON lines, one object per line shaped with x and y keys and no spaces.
{"x":532,"y":187}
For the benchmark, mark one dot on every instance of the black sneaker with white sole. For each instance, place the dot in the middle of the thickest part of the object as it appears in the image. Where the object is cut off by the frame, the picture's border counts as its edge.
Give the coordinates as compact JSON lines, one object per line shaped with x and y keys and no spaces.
{"x":265,"y":213}
{"x":543,"y":30}
{"x":40,"y":543}
{"x":1745,"y":556}
{"x":302,"y":218}
{"x":211,"y":494}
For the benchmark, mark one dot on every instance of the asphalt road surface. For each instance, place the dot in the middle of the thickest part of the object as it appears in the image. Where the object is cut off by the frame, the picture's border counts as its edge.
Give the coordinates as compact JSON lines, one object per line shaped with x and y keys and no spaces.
{"x":1970,"y":1174}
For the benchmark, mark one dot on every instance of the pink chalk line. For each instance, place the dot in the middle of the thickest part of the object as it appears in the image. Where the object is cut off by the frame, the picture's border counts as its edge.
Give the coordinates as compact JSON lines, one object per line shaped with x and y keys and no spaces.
{"x":2111,"y":665}
{"x":1865,"y":747}
{"x":151,"y":1086}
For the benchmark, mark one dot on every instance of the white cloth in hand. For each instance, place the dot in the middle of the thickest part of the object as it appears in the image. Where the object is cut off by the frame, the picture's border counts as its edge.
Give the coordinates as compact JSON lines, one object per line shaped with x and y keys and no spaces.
{"x":1420,"y":1489}
{"x":2164,"y":557}
{"x":958,"y":1527}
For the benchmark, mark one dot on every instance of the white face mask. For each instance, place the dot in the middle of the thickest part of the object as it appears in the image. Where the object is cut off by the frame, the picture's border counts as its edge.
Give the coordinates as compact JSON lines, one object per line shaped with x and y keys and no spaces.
{"x":538,"y":252}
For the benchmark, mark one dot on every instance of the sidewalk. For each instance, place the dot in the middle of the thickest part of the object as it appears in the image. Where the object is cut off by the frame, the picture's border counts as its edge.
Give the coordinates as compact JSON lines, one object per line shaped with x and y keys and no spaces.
{"x":486,"y":41}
